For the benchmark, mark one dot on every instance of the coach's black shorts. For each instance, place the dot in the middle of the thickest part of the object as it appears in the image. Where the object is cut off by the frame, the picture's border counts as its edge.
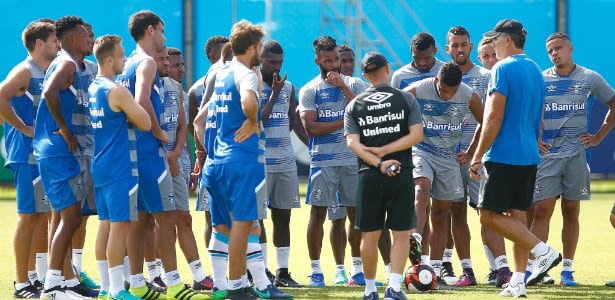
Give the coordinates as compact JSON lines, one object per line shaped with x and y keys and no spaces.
{"x":507,"y":187}
{"x":379,"y":195}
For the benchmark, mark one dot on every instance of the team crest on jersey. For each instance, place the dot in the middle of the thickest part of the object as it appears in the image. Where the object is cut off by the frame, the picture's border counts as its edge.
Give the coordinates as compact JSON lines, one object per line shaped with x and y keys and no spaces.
{"x":551,"y":88}
{"x":455,"y":110}
{"x":474,"y":83}
{"x":428,"y":107}
{"x":317,"y":193}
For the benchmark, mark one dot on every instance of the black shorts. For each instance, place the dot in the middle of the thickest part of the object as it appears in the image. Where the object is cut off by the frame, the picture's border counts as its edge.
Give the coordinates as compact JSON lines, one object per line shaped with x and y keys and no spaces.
{"x":380,"y":196}
{"x":507,"y":187}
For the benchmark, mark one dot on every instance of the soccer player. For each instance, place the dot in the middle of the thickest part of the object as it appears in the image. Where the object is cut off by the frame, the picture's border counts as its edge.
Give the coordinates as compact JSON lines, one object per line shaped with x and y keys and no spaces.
{"x":612,"y":219}
{"x":156,"y":191}
{"x":513,"y":113}
{"x":444,"y":102}
{"x":57,"y":149}
{"x":277,"y":105}
{"x":423,"y":64}
{"x":110,"y":107}
{"x":493,"y":243}
{"x":563,"y":170}
{"x":459,"y":47}
{"x":20,"y":93}
{"x":333,"y":166}
{"x":347,"y":60}
{"x":379,"y":196}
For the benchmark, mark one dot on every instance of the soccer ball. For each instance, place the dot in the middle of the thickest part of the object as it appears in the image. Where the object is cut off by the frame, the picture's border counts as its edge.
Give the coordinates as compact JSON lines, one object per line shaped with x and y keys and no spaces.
{"x":420,"y":278}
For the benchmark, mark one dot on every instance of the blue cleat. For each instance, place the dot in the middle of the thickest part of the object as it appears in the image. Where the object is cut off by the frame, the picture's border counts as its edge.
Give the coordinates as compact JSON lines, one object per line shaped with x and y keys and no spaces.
{"x":359,"y":280}
{"x":272,"y":292}
{"x":371,"y":296}
{"x":566,"y":279}
{"x":390,"y":294}
{"x":317,"y":280}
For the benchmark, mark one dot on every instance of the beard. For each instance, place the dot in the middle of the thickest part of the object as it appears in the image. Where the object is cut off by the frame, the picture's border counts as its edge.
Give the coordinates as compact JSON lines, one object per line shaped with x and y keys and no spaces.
{"x":323,"y":71}
{"x":255,"y":61}
{"x":461,"y":61}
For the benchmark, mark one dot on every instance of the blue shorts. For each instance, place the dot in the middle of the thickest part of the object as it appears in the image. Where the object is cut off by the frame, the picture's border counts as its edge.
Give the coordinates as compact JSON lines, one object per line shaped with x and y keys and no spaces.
{"x":62,"y":181}
{"x":237,"y":188}
{"x":29,"y":189}
{"x":117,"y":201}
{"x":155,"y":186}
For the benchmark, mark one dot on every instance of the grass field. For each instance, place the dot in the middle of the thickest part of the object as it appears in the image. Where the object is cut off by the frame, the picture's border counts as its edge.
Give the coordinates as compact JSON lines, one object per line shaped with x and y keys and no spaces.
{"x":594,"y":262}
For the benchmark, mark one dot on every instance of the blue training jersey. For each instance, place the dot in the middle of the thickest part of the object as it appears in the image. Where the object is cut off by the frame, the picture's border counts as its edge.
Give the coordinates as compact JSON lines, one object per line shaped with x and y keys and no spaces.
{"x":115,"y":150}
{"x":18,"y":145}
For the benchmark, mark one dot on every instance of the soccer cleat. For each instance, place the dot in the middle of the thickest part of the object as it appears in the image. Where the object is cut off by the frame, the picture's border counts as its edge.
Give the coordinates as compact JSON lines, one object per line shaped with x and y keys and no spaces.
{"x":359,"y":280}
{"x":271,"y":292}
{"x":74,"y":295}
{"x":28,"y":292}
{"x":527,"y":275}
{"x":146,"y":292}
{"x":340,"y":278}
{"x":542,"y":264}
{"x":270,"y":276}
{"x":447,"y":273}
{"x":547,"y":280}
{"x":88,"y":281}
{"x":83,"y":290}
{"x":157,"y":284}
{"x":184,"y":292}
{"x":492,"y":277}
{"x":317,"y":280}
{"x":371,"y":296}
{"x":103,"y":294}
{"x":503,"y":277}
{"x":123,"y":295}
{"x":55,"y":293}
{"x":218,"y":294}
{"x":441,"y":285}
{"x":205,"y":284}
{"x":245,"y":293}
{"x":516,"y":290}
{"x":416,"y":249}
{"x":283,"y":279}
{"x":610,"y":283}
{"x":390,"y":294}
{"x":566,"y":279}
{"x":466,"y":279}
{"x":38,"y":285}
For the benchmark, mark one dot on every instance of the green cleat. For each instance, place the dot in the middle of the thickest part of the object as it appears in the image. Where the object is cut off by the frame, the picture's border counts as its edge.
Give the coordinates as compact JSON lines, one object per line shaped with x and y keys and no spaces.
{"x":184,"y":292}
{"x":218,"y":294}
{"x":87,"y":281}
{"x":123,"y":295}
{"x":340,"y":278}
{"x":146,"y":292}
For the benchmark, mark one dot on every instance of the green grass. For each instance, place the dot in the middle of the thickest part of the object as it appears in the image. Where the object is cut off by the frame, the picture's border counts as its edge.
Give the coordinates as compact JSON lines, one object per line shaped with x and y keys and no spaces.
{"x":594,"y":261}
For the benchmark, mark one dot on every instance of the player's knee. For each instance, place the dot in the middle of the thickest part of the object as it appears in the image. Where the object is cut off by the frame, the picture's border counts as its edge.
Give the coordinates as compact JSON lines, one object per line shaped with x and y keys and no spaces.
{"x":486,"y":217}
{"x":318,"y":214}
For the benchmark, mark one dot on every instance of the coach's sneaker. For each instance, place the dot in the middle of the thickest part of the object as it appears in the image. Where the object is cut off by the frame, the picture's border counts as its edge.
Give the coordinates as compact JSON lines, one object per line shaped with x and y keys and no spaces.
{"x":87,"y":280}
{"x":27,"y":292}
{"x":416,"y":249}
{"x":283,"y":279}
{"x":157,"y":284}
{"x":83,"y":290}
{"x":340,"y":278}
{"x":184,"y":292}
{"x":218,"y":294}
{"x":371,"y":296}
{"x":205,"y":284}
{"x":271,"y":292}
{"x":55,"y":293}
{"x":542,"y":264}
{"x":503,"y":276}
{"x":548,"y":279}
{"x":145,"y":292}
{"x":466,"y":279}
{"x":566,"y":279}
{"x":492,"y":277}
{"x":123,"y":295}
{"x":447,"y":273}
{"x":391,"y":294}
{"x":514,"y":290}
{"x":317,"y":280}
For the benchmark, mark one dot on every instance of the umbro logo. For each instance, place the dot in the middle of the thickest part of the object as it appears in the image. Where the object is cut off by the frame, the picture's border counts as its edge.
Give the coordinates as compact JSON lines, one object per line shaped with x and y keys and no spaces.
{"x":378,"y":97}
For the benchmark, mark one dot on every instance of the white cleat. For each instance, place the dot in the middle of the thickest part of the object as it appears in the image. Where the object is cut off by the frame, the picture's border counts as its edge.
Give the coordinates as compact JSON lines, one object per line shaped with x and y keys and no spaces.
{"x":542,"y":264}
{"x":514,"y":290}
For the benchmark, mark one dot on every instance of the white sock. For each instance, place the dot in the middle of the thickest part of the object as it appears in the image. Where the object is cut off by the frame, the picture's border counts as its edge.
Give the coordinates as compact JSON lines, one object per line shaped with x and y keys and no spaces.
{"x":264,"y":251}
{"x":235,"y":284}
{"x":32,"y":277}
{"x":466,"y":263}
{"x":137,"y":281}
{"x":394,"y":281}
{"x":387,"y":269}
{"x":501,"y":262}
{"x":425,"y":260}
{"x":116,"y":280}
{"x":246,"y":282}
{"x":436,"y":265}
{"x":357,"y":266}
{"x":41,"y":264}
{"x":173,"y":278}
{"x":103,"y":271}
{"x":77,"y":260}
{"x":316,"y":266}
{"x":567,"y":265}
{"x":72,"y":282}
{"x":530,"y":265}
{"x":490,"y":259}
{"x":62,"y":282}
{"x":517,"y":277}
{"x":53,"y":278}
{"x":151,"y":269}
{"x":255,"y":263}
{"x":218,"y":256}
{"x":21,"y":285}
{"x":540,"y":249}
{"x":447,"y":256}
{"x":281,"y":255}
{"x":196,"y":267}
{"x":370,"y":286}
{"x":340,"y":268}
{"x":127,"y":276}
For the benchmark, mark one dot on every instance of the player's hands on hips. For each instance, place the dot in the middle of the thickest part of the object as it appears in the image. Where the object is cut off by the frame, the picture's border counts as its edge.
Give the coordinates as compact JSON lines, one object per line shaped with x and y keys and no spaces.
{"x":28,"y":131}
{"x":589,"y":140}
{"x":70,"y":139}
{"x":474,"y":170}
{"x":390,"y":167}
{"x":247,"y":129}
{"x":544,"y":148}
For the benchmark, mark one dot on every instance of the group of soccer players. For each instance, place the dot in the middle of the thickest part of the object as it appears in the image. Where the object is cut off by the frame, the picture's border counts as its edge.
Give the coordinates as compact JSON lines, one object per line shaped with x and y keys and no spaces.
{"x":111,"y":139}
